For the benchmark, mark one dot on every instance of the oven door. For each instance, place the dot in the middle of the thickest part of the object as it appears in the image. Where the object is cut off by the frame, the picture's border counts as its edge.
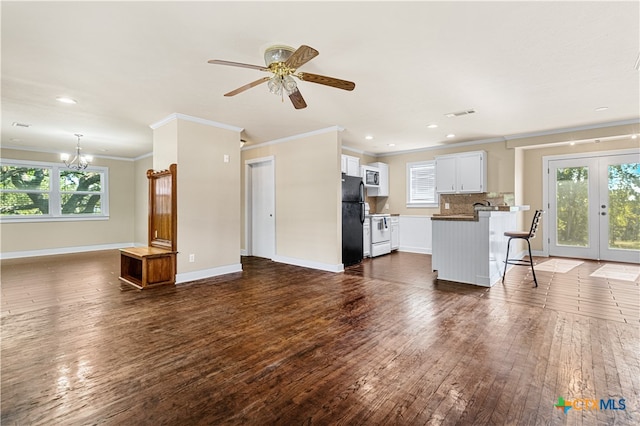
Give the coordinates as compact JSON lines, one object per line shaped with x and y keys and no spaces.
{"x":380,"y":230}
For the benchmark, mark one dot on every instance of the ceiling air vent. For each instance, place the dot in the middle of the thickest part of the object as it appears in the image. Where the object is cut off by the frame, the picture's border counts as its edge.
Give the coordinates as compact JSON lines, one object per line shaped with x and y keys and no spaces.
{"x":16,"y":124}
{"x":461,"y":113}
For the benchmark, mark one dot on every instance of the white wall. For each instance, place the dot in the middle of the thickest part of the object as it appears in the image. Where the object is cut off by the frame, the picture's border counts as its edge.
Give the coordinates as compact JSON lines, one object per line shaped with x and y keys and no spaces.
{"x":141,"y":220}
{"x":415,"y":234}
{"x":308,"y":198}
{"x":208,"y":192}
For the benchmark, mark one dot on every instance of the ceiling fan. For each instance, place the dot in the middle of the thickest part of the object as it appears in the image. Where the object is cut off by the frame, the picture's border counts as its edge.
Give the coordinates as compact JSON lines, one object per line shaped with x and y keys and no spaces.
{"x":283,"y":62}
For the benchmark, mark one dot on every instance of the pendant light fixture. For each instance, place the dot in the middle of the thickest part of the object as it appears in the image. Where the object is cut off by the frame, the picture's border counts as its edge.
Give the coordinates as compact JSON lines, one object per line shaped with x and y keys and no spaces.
{"x":79,"y":162}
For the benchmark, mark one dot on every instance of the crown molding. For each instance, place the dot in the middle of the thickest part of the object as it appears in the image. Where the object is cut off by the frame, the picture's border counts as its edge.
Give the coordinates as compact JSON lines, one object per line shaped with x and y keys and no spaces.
{"x":294,"y":137}
{"x":203,"y":121}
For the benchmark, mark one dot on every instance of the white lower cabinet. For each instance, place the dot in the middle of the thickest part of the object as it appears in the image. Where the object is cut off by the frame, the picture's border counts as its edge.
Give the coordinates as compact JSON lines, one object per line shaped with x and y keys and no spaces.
{"x":395,"y":232}
{"x":366,"y":238}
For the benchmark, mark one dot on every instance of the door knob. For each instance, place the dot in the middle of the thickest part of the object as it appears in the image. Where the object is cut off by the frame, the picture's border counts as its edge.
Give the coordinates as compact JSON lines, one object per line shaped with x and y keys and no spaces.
{"x":603,"y":213}
{"x":603,"y":206}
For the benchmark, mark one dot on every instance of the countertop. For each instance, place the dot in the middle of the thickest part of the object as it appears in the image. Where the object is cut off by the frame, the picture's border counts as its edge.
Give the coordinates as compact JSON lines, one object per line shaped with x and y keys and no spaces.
{"x":477,"y":209}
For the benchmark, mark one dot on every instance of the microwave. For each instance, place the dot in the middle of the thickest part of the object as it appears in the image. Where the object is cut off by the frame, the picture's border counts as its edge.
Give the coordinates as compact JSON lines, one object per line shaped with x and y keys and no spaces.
{"x":370,"y":176}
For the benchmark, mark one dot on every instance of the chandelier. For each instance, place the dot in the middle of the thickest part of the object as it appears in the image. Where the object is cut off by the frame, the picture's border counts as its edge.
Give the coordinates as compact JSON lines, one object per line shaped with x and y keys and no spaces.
{"x":79,"y":162}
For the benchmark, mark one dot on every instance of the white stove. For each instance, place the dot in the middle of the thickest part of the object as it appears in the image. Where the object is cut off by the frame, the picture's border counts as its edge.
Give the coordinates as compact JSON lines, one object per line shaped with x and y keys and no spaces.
{"x":380,"y":234}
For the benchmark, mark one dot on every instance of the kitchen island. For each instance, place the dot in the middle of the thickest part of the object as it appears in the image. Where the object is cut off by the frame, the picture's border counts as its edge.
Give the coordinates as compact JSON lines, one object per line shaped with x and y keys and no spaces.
{"x":471,"y":248}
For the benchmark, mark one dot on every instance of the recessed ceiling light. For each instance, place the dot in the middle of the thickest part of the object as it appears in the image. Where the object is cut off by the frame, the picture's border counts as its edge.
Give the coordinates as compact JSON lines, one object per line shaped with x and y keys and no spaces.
{"x":391,"y":144}
{"x":432,"y":126}
{"x":66,"y":100}
{"x":602,"y":108}
{"x":451,"y":135}
{"x":369,"y":137}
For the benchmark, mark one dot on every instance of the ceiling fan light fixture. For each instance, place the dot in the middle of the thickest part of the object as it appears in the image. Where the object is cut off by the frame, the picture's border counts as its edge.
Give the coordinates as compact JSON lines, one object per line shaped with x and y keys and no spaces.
{"x":289,"y":84}
{"x":277,"y":54}
{"x":275,"y":85}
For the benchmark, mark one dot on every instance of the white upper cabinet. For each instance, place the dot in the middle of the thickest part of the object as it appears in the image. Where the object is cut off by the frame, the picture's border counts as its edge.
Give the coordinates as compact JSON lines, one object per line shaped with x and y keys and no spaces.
{"x":461,"y":173}
{"x":383,"y":188}
{"x":446,"y":174}
{"x":351,"y":165}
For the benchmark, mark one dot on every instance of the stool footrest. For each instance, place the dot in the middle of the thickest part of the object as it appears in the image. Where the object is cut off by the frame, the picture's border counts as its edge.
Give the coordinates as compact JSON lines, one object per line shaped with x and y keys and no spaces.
{"x":518,"y":262}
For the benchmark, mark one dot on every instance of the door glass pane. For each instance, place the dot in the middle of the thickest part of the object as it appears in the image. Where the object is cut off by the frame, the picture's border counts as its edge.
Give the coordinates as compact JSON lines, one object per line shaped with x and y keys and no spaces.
{"x":572,"y":201}
{"x":624,"y":206}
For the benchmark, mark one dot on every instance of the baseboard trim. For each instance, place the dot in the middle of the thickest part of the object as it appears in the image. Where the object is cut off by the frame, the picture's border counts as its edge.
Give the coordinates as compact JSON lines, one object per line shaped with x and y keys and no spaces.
{"x":207,"y":273}
{"x":419,"y":250}
{"x":63,"y":250}
{"x":309,"y":264}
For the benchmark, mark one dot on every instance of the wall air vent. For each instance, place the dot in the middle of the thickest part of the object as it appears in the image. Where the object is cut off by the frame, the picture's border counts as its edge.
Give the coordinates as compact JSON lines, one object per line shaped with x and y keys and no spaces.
{"x":461,"y":113}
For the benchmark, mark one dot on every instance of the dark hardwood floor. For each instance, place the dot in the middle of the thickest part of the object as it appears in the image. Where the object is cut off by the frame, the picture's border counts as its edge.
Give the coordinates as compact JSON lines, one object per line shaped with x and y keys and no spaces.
{"x":383,"y":343}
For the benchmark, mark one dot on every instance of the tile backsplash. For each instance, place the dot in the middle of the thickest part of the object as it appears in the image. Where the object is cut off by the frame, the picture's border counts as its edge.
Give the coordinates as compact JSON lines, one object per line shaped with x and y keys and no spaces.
{"x":463,"y":203}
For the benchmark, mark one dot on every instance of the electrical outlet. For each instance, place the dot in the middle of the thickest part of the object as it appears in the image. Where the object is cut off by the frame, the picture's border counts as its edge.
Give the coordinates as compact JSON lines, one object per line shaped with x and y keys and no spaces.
{"x":446,"y":206}
{"x":192,"y":258}
{"x":226,"y":158}
{"x":386,"y":206}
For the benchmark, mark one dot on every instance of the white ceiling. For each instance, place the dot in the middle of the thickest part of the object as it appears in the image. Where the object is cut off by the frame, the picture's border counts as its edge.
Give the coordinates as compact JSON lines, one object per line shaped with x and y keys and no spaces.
{"x":525,"y":67}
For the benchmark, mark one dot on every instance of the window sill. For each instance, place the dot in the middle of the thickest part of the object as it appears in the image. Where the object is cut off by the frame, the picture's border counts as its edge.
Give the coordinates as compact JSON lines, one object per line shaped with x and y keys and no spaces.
{"x":51,"y":219}
{"x":422,"y":206}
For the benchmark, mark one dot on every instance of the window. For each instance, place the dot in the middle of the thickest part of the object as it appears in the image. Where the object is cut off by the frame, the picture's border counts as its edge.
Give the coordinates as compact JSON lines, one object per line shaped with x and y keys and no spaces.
{"x":421,"y":184}
{"x":35,"y":191}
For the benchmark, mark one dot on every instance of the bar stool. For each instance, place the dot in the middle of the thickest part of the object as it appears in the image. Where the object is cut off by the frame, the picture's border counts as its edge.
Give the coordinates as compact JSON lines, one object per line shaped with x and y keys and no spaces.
{"x":523,"y":235}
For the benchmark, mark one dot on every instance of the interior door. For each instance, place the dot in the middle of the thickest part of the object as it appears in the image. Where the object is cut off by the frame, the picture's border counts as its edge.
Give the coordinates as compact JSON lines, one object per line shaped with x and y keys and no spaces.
{"x":594,"y":209}
{"x":262,"y":199}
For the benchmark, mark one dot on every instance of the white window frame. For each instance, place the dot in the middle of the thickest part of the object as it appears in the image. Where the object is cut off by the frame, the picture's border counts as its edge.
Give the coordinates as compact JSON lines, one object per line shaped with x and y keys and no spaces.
{"x":410,"y":170}
{"x":55,"y":213}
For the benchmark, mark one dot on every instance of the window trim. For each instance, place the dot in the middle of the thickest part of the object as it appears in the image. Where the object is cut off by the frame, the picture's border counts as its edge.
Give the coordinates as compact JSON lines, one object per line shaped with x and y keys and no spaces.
{"x":410,"y":204}
{"x":55,"y":194}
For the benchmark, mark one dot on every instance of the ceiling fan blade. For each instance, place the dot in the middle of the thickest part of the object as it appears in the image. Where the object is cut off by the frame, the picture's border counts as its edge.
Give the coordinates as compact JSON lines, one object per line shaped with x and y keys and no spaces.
{"x":301,"y":56}
{"x":247,"y":86}
{"x":237,"y":64}
{"x":327,"y":81}
{"x":297,"y":100}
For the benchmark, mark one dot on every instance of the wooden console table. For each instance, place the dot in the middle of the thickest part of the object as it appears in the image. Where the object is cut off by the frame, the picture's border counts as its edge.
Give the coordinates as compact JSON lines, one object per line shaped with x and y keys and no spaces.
{"x":147,"y":266}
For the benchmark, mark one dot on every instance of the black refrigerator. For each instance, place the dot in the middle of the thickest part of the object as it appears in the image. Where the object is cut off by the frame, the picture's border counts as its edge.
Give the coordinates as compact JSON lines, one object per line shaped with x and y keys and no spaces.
{"x":352,"y":219}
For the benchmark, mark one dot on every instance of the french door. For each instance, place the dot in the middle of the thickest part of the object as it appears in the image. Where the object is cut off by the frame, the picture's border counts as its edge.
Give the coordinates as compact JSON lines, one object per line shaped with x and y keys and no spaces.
{"x":594,"y":207}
